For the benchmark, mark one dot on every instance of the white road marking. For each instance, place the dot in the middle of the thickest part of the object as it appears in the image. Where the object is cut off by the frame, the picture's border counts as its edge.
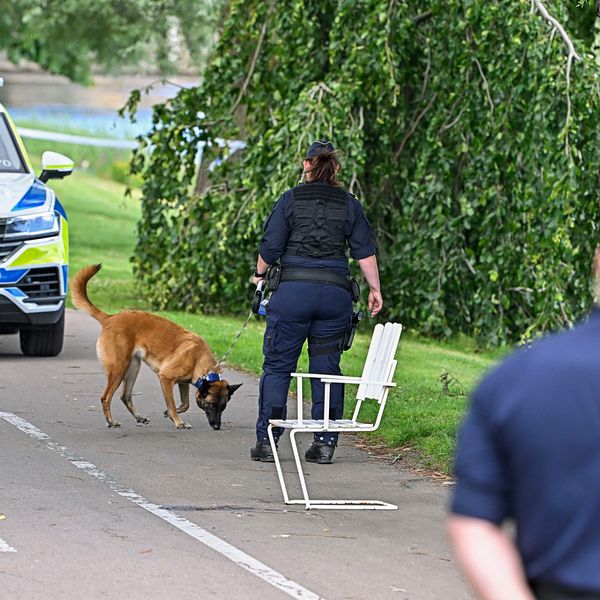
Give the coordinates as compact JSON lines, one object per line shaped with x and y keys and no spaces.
{"x":239,"y":557}
{"x":4,"y":547}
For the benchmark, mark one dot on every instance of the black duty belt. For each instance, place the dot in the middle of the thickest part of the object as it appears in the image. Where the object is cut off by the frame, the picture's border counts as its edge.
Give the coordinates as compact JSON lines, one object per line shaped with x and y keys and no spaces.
{"x":552,"y":591}
{"x":316,"y":276}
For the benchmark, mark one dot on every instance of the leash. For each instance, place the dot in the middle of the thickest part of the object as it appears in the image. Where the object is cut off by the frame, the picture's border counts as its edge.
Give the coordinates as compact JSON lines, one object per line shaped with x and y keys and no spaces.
{"x":235,"y":341}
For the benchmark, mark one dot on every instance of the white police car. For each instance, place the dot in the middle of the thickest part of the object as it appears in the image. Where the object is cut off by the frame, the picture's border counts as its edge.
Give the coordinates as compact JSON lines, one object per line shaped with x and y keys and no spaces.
{"x":34,"y":246}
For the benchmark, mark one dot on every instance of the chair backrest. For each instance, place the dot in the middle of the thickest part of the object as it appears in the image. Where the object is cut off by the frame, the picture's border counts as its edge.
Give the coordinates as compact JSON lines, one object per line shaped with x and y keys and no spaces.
{"x":380,"y":364}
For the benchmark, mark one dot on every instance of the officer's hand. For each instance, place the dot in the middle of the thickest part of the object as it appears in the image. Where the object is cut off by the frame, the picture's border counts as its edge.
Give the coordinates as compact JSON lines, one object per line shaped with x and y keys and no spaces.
{"x":257,"y":280}
{"x":375,"y":303}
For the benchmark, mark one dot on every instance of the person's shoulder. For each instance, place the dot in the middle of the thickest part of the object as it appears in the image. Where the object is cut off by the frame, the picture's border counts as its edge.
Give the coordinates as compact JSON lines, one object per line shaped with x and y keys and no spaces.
{"x":355,"y":203}
{"x":508,"y":369}
{"x":282,"y":206}
{"x":354,"y":208}
{"x":286,"y":196}
{"x":562,"y":341}
{"x":530,"y":359}
{"x":352,"y":201}
{"x":289,"y":191}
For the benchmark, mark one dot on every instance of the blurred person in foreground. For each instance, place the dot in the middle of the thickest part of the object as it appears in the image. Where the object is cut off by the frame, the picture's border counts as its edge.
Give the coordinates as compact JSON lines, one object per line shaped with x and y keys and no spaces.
{"x":529,"y":452}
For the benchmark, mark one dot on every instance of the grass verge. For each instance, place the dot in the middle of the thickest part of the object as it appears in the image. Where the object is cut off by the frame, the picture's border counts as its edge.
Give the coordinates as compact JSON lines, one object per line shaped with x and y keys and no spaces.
{"x":433,"y":379}
{"x":109,"y":163}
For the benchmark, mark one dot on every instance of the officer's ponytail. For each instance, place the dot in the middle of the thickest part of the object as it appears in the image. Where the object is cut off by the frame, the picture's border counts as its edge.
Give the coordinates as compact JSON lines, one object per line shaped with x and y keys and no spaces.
{"x":323,"y":169}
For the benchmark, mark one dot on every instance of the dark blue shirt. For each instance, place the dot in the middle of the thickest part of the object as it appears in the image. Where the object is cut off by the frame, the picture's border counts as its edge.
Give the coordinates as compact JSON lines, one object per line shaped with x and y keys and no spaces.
{"x":279,"y":224}
{"x":529,"y":449}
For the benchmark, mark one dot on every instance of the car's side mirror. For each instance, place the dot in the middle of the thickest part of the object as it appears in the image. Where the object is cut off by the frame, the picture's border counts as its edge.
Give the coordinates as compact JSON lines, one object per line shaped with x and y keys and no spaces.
{"x":55,"y":166}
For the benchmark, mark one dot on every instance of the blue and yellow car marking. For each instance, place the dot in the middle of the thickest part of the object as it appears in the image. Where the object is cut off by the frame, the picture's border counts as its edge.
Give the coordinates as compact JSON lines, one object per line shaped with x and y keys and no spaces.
{"x":35,"y":197}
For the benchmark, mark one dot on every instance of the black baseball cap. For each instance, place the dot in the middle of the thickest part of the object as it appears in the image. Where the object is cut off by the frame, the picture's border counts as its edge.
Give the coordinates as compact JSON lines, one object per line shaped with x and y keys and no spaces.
{"x":317,"y":148}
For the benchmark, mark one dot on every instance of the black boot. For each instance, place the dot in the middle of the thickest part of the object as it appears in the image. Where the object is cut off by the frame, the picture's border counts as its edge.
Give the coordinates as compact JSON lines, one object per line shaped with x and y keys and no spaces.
{"x":262,"y":451}
{"x":320,"y":453}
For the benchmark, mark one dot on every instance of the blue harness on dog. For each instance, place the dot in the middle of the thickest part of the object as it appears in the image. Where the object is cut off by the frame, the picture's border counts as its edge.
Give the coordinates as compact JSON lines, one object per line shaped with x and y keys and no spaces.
{"x":207,"y":379}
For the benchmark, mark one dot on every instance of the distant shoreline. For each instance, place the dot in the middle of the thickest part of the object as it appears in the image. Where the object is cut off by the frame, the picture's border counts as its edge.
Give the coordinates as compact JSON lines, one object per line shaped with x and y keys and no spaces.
{"x":29,"y":88}
{"x":30,"y":68}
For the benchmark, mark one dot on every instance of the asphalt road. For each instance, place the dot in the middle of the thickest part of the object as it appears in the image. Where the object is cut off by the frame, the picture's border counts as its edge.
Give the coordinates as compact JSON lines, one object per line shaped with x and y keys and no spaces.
{"x":151,"y":512}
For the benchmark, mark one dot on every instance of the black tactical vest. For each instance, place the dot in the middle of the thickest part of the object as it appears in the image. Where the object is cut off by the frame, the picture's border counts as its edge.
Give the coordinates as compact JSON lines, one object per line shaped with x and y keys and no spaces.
{"x":319,"y":219}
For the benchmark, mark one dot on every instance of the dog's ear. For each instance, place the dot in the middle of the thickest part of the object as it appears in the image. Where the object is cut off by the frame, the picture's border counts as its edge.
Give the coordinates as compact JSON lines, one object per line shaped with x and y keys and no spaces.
{"x":232,"y":388}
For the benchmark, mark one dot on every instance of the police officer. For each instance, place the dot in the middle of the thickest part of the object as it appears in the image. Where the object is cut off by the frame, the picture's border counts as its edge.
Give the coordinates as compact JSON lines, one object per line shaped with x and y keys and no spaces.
{"x":308,"y":231}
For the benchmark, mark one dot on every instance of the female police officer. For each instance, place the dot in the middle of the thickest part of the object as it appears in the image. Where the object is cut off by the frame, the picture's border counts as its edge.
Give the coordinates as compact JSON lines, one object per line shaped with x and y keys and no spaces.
{"x":308,"y":231}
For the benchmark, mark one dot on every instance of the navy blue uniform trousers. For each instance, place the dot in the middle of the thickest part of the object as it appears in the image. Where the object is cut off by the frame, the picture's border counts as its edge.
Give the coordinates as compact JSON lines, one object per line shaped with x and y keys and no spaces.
{"x":299,"y":310}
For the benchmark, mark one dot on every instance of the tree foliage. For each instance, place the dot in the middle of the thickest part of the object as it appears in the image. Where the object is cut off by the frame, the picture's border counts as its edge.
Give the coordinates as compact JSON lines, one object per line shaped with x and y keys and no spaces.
{"x":452,"y":118}
{"x":70,"y":37}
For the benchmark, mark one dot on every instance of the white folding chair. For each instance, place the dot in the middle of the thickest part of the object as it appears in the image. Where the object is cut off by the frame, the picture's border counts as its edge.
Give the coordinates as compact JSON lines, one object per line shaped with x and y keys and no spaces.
{"x":373,"y":384}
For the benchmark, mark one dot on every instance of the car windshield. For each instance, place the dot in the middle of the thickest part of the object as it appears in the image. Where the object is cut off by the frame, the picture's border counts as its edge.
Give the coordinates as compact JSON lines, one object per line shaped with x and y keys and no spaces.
{"x":10,"y":157}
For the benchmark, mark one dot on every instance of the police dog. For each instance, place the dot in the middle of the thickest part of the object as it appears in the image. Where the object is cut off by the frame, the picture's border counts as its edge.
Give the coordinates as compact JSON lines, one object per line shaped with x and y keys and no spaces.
{"x":175,"y":354}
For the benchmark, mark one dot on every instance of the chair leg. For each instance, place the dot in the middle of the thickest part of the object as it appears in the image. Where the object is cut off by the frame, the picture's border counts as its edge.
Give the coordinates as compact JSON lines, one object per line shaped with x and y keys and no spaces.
{"x":312,"y":504}
{"x":293,"y":433}
{"x":286,"y":498}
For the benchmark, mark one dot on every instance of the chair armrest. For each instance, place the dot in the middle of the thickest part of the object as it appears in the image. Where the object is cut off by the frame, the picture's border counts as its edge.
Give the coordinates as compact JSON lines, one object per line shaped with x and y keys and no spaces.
{"x":340,"y":378}
{"x":325,"y":378}
{"x":358,"y":381}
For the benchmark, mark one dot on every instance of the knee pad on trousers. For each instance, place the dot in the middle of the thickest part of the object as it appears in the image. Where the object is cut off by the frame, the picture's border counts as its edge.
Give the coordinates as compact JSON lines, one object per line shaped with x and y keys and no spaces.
{"x":276,"y":412}
{"x":326,"y":345}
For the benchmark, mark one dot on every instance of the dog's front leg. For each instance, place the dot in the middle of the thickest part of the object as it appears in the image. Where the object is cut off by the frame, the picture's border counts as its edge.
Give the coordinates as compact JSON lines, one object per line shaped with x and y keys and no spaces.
{"x":128,"y":383}
{"x":167,"y":387}
{"x":115,"y":376}
{"x":184,"y":394}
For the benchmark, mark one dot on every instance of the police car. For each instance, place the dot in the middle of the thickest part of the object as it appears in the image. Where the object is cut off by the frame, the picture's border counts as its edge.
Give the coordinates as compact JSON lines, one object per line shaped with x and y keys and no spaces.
{"x":34,"y":246}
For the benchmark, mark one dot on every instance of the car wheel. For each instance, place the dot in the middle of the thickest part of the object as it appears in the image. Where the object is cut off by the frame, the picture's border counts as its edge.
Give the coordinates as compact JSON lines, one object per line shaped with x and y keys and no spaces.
{"x":43,"y":341}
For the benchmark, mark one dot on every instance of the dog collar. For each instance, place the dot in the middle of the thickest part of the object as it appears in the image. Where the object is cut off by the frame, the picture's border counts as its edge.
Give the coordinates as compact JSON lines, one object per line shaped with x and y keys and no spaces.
{"x":208,"y":378}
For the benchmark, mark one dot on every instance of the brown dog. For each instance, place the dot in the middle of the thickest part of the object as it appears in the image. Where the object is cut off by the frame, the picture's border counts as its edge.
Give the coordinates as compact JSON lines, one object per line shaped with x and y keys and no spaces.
{"x":175,"y":354}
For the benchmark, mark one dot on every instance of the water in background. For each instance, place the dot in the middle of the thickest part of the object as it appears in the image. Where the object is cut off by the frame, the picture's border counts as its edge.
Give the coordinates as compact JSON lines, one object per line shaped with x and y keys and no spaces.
{"x":54,"y":103}
{"x":81,"y":119}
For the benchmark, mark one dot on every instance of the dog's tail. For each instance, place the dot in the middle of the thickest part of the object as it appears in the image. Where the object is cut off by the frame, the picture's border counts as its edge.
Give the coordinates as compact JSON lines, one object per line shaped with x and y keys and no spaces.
{"x":79,"y":292}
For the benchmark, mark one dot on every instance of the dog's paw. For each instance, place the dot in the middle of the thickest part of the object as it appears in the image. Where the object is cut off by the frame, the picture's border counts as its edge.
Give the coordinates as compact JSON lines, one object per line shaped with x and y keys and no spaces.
{"x":165,"y":413}
{"x":142,"y":420}
{"x":114,"y":424}
{"x":184,"y":425}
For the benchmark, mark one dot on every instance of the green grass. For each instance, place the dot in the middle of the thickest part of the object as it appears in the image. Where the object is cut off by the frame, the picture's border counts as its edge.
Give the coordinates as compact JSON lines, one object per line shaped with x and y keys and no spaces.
{"x":422,"y":412}
{"x":110,"y":163}
{"x":102,"y":228}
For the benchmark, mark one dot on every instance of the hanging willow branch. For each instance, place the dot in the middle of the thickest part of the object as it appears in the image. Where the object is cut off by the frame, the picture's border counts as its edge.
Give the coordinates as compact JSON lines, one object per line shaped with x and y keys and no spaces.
{"x":259,"y":45}
{"x":466,"y":196}
{"x":556,"y":26}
